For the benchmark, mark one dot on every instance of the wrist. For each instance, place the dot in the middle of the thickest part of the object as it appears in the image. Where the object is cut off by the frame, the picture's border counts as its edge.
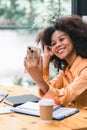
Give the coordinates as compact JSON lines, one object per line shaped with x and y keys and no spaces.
{"x":43,"y":86}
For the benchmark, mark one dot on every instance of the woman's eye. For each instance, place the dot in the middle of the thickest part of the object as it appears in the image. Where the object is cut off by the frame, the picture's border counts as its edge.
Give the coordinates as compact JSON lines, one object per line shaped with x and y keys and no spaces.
{"x":53,"y":43}
{"x":61,"y":39}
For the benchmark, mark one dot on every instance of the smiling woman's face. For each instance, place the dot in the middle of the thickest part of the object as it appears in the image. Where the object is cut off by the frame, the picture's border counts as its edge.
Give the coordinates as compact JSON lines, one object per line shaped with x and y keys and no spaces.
{"x":62,"y":45}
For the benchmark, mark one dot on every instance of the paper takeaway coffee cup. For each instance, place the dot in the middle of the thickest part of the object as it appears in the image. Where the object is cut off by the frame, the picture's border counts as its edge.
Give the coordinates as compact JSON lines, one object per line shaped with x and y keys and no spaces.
{"x":46,"y":109}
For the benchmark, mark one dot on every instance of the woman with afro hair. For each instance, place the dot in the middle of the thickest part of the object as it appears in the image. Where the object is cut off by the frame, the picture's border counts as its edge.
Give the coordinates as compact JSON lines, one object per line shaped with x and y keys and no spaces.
{"x":65,"y":44}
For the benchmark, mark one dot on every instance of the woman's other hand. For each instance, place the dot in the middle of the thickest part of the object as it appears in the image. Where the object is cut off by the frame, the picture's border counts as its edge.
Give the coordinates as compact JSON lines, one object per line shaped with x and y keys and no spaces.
{"x":47,"y":54}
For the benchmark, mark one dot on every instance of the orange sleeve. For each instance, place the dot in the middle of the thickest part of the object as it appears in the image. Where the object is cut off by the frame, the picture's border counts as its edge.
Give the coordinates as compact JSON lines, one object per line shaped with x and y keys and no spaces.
{"x":66,"y":95}
{"x":46,"y":74}
{"x":56,"y":82}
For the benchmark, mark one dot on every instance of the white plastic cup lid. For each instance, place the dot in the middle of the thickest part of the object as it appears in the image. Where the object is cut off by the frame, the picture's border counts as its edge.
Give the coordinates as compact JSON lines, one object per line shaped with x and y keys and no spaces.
{"x":46,"y":102}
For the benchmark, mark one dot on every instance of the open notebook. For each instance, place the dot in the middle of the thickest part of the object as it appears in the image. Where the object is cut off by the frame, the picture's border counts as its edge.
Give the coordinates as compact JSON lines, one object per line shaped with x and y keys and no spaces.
{"x":32,"y":108}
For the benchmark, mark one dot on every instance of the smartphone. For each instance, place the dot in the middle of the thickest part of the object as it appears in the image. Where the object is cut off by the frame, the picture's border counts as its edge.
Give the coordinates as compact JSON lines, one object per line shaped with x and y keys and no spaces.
{"x":32,"y":48}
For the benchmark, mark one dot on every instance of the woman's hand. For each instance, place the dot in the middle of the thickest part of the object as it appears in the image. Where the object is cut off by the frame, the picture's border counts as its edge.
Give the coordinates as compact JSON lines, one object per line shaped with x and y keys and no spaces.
{"x":47,"y":54}
{"x":34,"y":65}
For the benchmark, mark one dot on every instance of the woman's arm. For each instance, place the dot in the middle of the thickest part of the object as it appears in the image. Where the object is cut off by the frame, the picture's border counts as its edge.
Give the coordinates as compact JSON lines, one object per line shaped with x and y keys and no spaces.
{"x":70,"y":93}
{"x":34,"y":66}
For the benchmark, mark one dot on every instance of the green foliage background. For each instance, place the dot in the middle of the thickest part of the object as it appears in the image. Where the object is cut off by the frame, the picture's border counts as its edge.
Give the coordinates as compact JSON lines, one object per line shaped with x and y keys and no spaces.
{"x":18,"y":12}
{"x":34,"y":13}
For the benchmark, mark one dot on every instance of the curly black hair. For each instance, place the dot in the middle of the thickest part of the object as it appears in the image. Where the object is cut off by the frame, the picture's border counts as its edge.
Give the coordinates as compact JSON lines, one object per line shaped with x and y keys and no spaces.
{"x":76,"y":29}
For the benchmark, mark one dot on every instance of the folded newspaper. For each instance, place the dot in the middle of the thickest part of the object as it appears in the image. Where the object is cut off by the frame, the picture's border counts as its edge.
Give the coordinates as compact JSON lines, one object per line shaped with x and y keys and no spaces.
{"x":32,"y":108}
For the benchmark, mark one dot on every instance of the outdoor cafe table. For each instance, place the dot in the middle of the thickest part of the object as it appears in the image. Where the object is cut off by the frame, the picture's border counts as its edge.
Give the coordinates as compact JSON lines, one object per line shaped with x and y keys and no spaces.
{"x":17,"y":121}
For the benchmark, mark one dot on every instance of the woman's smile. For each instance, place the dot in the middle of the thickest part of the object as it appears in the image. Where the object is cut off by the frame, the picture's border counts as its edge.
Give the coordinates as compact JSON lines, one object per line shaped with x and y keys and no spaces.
{"x":61,"y":50}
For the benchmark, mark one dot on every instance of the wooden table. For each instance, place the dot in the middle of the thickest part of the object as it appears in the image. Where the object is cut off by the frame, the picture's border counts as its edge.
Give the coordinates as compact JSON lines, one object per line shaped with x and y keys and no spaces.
{"x":16,"y":121}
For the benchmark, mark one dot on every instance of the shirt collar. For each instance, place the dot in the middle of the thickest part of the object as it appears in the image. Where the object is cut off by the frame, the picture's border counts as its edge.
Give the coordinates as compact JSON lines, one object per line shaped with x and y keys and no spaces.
{"x":75,"y":64}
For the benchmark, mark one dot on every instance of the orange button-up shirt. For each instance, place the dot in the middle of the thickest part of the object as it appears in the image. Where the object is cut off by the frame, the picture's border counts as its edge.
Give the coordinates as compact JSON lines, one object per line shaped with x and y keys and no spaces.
{"x":70,"y":86}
